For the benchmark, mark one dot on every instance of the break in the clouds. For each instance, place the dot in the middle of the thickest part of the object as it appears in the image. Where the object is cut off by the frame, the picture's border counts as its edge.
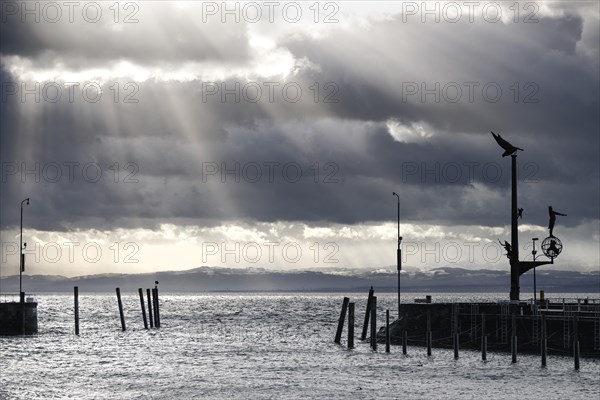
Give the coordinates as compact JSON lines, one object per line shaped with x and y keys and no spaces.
{"x":158,"y":124}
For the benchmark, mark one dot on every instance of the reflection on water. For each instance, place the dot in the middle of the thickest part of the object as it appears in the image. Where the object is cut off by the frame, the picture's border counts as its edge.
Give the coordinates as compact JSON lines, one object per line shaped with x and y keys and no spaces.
{"x":256,"y":346}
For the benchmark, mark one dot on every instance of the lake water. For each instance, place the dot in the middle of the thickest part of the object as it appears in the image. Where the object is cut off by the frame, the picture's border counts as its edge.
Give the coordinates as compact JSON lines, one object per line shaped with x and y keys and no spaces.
{"x":254,"y":346}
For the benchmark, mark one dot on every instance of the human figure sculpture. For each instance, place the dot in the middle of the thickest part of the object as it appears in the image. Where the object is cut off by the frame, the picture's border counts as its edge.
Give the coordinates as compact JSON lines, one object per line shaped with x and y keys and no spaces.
{"x":552,"y":221}
{"x":507,"y":247}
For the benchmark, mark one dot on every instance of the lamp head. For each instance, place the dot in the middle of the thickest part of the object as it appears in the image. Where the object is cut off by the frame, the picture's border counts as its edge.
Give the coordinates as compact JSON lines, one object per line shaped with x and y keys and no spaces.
{"x":394,"y":194}
{"x":28,"y":201}
{"x":534,"y":239}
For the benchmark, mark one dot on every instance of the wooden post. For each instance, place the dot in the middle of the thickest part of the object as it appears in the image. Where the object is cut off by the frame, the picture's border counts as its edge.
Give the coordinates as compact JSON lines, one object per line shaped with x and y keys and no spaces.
{"x":456,"y":339}
{"x":404,"y":341}
{"x":157,"y":309}
{"x":150,"y":314}
{"x":121,"y":309}
{"x":575,"y":343}
{"x":351,"y":325}
{"x":374,"y":323}
{"x":154,"y":307}
{"x":483,"y":339}
{"x":367,"y":315}
{"x":428,"y":333}
{"x":576,"y":353}
{"x":76,"y":308}
{"x":141,"y":292}
{"x":387,"y":331}
{"x":338,"y":334}
{"x":544,"y":341}
{"x":513,"y":342}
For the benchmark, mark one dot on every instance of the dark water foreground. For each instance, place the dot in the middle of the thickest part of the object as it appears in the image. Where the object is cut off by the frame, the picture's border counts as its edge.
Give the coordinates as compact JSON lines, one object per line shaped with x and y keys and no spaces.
{"x":258,"y":346}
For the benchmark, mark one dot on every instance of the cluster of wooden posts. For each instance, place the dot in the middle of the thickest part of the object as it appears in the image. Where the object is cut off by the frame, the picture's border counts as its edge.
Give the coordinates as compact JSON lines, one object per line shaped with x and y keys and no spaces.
{"x":371,"y":316}
{"x":153,"y":308}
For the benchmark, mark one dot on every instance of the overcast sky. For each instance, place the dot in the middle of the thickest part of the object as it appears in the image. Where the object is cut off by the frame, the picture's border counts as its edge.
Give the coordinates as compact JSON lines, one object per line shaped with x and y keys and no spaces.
{"x":163,"y":136}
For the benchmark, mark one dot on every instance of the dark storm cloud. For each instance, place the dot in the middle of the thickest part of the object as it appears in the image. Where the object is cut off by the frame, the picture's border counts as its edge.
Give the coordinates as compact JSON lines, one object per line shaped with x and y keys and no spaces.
{"x":172,"y":136}
{"x":162,"y":35}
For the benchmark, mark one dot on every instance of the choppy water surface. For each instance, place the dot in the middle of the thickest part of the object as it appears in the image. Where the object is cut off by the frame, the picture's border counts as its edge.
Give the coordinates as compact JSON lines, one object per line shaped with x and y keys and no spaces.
{"x":255,"y":346}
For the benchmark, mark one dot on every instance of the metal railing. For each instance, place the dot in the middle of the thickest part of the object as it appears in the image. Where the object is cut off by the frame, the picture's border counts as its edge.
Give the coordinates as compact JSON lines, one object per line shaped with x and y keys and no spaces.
{"x":15,"y":298}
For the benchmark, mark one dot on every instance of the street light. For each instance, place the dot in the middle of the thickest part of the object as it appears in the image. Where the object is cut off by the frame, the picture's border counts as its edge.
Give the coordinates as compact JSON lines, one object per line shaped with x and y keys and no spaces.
{"x":398,"y":253}
{"x":534,"y":252}
{"x":21,"y":260}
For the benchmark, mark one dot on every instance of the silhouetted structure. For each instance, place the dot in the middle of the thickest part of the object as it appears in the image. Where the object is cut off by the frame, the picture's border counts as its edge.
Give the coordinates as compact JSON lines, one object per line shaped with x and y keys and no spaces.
{"x":517,"y":267}
{"x":552,"y":221}
{"x":509,"y":149}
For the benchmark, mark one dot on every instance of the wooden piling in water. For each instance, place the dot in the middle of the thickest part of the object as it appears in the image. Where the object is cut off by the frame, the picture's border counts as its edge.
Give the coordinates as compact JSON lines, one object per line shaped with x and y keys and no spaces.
{"x":576,"y":353}
{"x":338,"y":334}
{"x":351,"y":325}
{"x":76,"y":308}
{"x":387,"y":331}
{"x":513,"y":341}
{"x":544,"y":343}
{"x":363,"y":336}
{"x":428,"y":333}
{"x":156,"y":309}
{"x":141,"y":292}
{"x":404,"y":341}
{"x":374,"y":323}
{"x":150,"y":314}
{"x":456,"y":339}
{"x":483,"y":339}
{"x":575,"y":343}
{"x":120,"y":308}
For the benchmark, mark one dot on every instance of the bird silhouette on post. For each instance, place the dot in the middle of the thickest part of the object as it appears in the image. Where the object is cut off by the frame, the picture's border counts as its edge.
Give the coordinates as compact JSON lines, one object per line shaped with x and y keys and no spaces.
{"x":520,"y":213}
{"x":508,"y":148}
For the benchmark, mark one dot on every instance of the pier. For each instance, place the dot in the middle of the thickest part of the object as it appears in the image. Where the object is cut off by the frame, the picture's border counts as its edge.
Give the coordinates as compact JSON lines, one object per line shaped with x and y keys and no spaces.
{"x":18,"y":315}
{"x":566,"y":323}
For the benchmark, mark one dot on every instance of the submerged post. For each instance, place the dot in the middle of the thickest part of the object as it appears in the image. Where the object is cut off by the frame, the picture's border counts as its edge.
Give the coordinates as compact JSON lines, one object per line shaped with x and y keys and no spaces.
{"x":121,"y":309}
{"x":367,"y":315}
{"x":150,"y":315}
{"x":141,"y":292}
{"x":513,"y":342}
{"x":154,"y":303}
{"x":575,"y":343}
{"x":76,"y":308}
{"x":456,"y":339}
{"x":351,"y":325}
{"x":428,"y":333}
{"x":157,"y":308}
{"x":544,"y":343}
{"x":338,"y":334}
{"x":483,"y":339}
{"x":387,"y":331}
{"x":404,"y":342}
{"x":374,"y":323}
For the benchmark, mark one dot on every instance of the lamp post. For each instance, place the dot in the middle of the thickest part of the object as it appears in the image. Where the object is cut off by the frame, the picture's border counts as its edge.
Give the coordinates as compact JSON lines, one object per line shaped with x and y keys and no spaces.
{"x":398,"y":253}
{"x":21,"y":261}
{"x":534,"y":252}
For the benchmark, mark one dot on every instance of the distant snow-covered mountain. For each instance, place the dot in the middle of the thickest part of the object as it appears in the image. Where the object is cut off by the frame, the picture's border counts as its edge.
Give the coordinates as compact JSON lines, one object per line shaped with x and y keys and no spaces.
{"x":213,"y":279}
